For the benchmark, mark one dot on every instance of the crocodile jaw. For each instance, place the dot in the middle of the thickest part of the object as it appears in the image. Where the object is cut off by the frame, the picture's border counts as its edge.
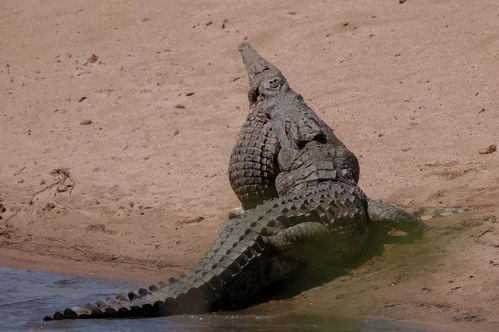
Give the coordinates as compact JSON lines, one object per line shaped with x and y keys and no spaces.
{"x":258,"y":69}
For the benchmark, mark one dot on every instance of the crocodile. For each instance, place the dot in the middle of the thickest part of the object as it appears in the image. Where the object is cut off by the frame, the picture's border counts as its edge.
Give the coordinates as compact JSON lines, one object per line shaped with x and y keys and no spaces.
{"x":305,"y":208}
{"x":253,"y":165}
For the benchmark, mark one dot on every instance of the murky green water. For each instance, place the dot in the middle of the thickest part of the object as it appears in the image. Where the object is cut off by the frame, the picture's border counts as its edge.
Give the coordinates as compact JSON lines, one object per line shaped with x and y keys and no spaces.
{"x":28,"y":296}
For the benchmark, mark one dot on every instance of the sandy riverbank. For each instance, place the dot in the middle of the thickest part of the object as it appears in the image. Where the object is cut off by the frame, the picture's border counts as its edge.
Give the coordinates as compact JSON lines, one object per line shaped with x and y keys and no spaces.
{"x":117,"y":121}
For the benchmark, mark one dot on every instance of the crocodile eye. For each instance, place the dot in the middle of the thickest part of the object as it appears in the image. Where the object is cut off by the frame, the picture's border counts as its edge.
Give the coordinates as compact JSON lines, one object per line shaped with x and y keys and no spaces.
{"x":271,"y":86}
{"x":274,"y":83}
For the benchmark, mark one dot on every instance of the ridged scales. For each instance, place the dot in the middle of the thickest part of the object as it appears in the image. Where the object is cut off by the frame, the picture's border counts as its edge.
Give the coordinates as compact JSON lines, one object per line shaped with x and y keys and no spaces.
{"x":253,"y":162}
{"x":248,"y":255}
{"x":252,"y":191}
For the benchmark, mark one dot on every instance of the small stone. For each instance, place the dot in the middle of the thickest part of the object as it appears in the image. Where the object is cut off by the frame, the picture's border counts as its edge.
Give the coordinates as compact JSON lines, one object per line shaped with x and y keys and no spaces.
{"x":49,"y":206}
{"x":192,"y":220}
{"x":93,"y":59}
{"x":490,"y":149}
{"x":85,"y":122}
{"x":179,"y":106}
{"x":236,"y":212}
{"x":188,"y":94}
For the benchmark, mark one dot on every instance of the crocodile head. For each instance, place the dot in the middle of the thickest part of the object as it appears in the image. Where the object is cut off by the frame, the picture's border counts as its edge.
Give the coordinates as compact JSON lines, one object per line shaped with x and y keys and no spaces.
{"x":259,"y":71}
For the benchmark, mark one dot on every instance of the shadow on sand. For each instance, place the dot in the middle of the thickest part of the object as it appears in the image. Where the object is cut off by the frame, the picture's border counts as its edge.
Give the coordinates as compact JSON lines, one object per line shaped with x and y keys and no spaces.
{"x":310,"y":277}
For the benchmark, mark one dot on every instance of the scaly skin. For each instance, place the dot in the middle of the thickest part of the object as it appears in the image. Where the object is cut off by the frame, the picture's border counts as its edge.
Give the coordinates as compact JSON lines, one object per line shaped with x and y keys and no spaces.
{"x":253,"y":163}
{"x":251,"y":252}
{"x":320,"y":216}
{"x":253,"y":168}
{"x":249,"y":188}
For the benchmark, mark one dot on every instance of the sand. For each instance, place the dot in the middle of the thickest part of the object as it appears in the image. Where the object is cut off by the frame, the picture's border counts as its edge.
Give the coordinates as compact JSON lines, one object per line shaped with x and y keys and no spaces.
{"x":118,"y":118}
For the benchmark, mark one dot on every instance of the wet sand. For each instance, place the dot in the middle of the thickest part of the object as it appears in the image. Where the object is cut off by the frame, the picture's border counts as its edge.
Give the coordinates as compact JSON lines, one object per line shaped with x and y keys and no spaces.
{"x":117,"y":121}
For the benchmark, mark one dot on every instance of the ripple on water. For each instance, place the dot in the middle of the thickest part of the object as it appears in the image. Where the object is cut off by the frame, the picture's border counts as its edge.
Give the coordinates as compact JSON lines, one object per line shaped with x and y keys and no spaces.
{"x":28,"y":296}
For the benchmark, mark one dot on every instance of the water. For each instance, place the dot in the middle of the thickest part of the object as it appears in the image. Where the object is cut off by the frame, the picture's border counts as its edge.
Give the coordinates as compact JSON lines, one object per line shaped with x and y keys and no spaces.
{"x":28,"y":296}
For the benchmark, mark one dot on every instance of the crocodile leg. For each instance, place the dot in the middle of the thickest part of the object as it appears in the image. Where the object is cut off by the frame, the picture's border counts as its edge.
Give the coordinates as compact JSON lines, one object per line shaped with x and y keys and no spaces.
{"x":389,"y":215}
{"x":301,"y":240}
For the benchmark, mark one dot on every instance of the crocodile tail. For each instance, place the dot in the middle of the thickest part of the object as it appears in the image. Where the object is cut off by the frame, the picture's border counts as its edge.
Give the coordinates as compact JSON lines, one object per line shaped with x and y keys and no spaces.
{"x":193,"y":292}
{"x":145,"y":303}
{"x":389,"y":215}
{"x":220,"y":282}
{"x":235,"y":267}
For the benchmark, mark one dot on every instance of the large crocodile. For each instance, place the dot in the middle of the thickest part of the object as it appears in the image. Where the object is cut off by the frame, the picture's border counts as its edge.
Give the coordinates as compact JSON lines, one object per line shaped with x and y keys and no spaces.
{"x":319,"y":214}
